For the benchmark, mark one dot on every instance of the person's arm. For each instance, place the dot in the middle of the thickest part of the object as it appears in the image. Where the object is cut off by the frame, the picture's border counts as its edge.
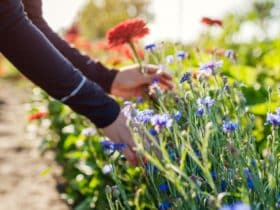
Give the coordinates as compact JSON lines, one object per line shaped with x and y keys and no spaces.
{"x":93,"y":70}
{"x":32,"y":53}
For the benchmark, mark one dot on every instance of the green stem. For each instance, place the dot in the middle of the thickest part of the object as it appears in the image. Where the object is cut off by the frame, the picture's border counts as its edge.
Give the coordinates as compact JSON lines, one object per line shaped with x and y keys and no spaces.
{"x":132,"y":46}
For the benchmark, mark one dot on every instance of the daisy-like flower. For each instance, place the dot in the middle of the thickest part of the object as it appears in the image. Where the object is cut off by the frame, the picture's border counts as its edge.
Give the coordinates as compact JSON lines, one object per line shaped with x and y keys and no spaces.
{"x":37,"y":116}
{"x":210,"y":68}
{"x":127,"y":31}
{"x":229,"y":126}
{"x":236,"y":206}
{"x":211,"y":22}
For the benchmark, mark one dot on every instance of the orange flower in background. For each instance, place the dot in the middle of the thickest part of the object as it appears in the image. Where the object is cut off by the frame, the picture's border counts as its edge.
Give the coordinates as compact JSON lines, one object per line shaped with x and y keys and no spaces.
{"x":127,"y":31}
{"x":211,"y":22}
{"x":37,"y":116}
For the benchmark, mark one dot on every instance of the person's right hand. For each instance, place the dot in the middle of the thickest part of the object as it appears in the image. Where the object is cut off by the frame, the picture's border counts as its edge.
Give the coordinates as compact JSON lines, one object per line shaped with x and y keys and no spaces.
{"x":119,"y":132}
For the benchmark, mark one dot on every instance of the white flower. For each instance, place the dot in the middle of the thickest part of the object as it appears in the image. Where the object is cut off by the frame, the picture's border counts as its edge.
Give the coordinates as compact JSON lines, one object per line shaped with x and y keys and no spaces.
{"x":107,"y":169}
{"x":88,"y":132}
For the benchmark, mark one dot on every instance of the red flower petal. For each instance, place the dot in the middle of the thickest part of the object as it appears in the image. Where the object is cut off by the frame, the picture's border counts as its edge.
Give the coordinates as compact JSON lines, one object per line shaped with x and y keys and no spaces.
{"x":127,"y":31}
{"x":211,"y":22}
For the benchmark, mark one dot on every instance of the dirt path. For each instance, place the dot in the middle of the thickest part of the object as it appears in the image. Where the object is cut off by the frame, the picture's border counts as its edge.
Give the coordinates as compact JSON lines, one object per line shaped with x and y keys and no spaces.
{"x":21,"y":185}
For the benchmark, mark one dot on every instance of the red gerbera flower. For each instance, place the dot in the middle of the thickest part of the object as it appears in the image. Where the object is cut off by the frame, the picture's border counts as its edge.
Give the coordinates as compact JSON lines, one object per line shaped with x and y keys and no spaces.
{"x":211,"y":22}
{"x":37,"y":116}
{"x":127,"y":31}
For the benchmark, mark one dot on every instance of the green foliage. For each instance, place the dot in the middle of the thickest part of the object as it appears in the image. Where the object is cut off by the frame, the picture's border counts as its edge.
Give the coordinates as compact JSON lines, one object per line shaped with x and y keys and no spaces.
{"x":98,"y":16}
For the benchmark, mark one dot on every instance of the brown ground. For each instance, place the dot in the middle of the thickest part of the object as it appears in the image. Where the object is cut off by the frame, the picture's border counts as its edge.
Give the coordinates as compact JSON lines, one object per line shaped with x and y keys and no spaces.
{"x":22,"y":187}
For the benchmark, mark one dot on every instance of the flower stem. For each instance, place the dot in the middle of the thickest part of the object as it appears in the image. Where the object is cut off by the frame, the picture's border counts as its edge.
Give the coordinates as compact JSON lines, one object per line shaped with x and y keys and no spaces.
{"x":132,"y":46}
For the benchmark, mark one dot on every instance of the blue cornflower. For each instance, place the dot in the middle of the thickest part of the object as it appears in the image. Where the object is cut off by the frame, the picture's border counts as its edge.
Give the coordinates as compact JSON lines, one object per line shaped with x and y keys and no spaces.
{"x":153,"y":132}
{"x":207,"y":102}
{"x":181,"y":55}
{"x":164,"y":188}
{"x":273,"y":119}
{"x":236,"y":206}
{"x":150,"y":47}
{"x":165,"y":205}
{"x":110,"y":147}
{"x":249,"y":179}
{"x":229,"y":126}
{"x":253,"y":162}
{"x":144,"y":116}
{"x":169,"y":59}
{"x":200,"y":112}
{"x":178,"y":116}
{"x":211,"y":67}
{"x":214,"y":175}
{"x":161,"y":120}
{"x":223,"y":185}
{"x":186,"y":77}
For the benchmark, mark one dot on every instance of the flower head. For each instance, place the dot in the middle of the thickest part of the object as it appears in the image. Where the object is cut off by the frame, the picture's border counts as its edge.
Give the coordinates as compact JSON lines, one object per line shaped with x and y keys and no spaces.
{"x":229,"y":126}
{"x":37,"y":116}
{"x":107,"y":169}
{"x":236,"y":206}
{"x":88,"y":132}
{"x":109,"y":147}
{"x":165,"y":205}
{"x":273,"y":119}
{"x":186,"y":77}
{"x":150,"y":47}
{"x":161,"y":120}
{"x":211,"y":22}
{"x":177,"y":116}
{"x":230,"y":54}
{"x":207,"y":102}
{"x":200,"y":112}
{"x":181,"y":55}
{"x":127,"y":31}
{"x":210,"y":68}
{"x":163,"y":187}
{"x":144,"y":116}
{"x":169,"y":59}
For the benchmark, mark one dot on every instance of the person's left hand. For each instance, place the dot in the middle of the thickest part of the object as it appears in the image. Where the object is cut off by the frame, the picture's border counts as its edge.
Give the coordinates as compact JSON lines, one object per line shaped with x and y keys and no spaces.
{"x":130,"y":82}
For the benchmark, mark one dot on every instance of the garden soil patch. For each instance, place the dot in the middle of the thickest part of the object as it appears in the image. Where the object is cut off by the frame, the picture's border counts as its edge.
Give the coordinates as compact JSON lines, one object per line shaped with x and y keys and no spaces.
{"x":22,"y":185}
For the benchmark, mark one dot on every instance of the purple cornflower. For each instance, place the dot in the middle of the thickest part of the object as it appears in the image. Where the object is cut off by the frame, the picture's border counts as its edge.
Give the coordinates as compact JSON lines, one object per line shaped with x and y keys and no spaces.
{"x":230,"y":54}
{"x":181,"y":55}
{"x":200,"y":112}
{"x":207,"y":102}
{"x":236,"y":206}
{"x":273,"y":119}
{"x":229,"y":126}
{"x":177,"y":116}
{"x":139,"y":100}
{"x":144,"y":116}
{"x":165,"y":205}
{"x":109,"y":147}
{"x":161,"y":120}
{"x":169,"y":59}
{"x":186,"y":77}
{"x":211,"y":67}
{"x":164,"y":188}
{"x":150,"y":47}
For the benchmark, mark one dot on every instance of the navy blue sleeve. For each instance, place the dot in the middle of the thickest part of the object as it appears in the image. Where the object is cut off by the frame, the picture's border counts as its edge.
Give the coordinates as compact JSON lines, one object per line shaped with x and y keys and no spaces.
{"x":93,"y":70}
{"x":32,"y":53}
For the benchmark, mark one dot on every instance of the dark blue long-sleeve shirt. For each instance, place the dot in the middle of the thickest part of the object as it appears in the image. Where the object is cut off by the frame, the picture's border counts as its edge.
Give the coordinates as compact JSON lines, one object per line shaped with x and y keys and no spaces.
{"x":37,"y":58}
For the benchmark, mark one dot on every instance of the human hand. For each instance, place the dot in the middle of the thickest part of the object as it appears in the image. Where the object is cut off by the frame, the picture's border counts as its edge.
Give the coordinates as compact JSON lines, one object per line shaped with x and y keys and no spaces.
{"x":130,"y":82}
{"x":119,"y":132}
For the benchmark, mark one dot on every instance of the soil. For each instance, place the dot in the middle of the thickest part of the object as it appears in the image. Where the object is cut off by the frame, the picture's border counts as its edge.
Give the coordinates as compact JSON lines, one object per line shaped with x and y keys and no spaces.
{"x":22,"y":183}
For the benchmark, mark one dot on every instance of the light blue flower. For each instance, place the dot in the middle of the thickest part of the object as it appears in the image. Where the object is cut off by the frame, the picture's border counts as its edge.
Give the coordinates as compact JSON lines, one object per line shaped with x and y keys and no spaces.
{"x":273,"y":119}
{"x":169,"y":59}
{"x":211,"y":67}
{"x":144,"y":116}
{"x":181,"y":55}
{"x":236,"y":206}
{"x":207,"y":102}
{"x":229,"y":126}
{"x":162,"y":120}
